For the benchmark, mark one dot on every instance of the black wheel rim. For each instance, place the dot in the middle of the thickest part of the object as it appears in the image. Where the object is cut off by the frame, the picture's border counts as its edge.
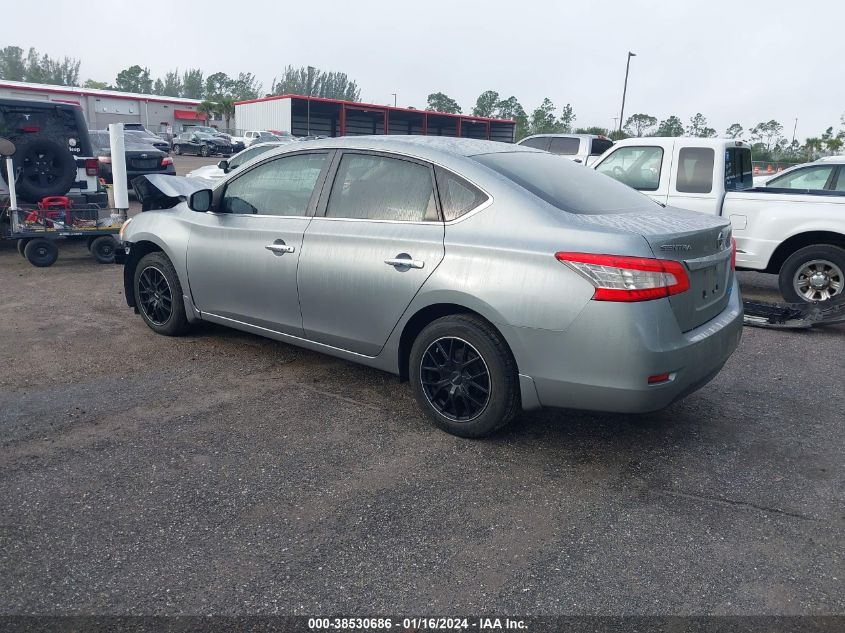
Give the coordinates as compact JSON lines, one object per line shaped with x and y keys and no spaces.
{"x":455,"y":379}
{"x":154,"y":295}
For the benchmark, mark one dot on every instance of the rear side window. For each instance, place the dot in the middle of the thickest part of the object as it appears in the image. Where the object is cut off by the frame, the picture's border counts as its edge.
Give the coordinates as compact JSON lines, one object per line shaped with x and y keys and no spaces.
{"x":637,"y":167}
{"x":695,"y":170}
{"x":600,"y":146}
{"x":739,"y":173}
{"x":565,"y":146}
{"x":379,"y":188}
{"x":809,"y":178}
{"x":541,"y":142}
{"x":565,"y":184}
{"x":457,"y":196}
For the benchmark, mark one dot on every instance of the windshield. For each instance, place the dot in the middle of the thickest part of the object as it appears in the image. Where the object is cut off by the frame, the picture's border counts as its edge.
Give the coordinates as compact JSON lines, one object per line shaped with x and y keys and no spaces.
{"x":204,"y":135}
{"x":565,"y":184}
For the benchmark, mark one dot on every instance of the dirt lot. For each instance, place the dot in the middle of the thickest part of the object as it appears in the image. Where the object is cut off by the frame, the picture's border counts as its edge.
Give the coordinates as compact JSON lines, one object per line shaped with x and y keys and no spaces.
{"x":224,"y":473}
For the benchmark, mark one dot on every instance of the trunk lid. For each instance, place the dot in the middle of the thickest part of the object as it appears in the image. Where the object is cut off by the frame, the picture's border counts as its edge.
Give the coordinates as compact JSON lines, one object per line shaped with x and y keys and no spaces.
{"x":701,"y":242}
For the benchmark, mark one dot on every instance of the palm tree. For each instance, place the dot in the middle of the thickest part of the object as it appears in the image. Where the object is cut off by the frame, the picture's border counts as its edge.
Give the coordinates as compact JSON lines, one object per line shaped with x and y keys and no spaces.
{"x":226,"y":107}
{"x":208,"y":108}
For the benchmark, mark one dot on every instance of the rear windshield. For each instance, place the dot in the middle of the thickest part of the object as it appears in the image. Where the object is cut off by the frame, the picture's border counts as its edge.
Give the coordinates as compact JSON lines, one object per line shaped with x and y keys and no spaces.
{"x":564,"y":184}
{"x":565,"y":146}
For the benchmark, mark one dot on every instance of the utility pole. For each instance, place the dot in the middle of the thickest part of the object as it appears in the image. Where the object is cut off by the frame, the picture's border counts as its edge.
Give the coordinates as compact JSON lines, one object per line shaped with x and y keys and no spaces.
{"x":615,"y":119}
{"x":794,"y":129}
{"x":625,"y":90}
{"x":394,"y":99}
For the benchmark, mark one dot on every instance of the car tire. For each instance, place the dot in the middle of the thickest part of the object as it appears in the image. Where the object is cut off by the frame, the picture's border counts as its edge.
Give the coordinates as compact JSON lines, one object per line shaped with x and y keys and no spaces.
{"x":177,"y":149}
{"x":41,"y":252}
{"x":468,"y":398}
{"x":823,"y":261}
{"x":102,"y":248}
{"x":205,"y":151}
{"x":153,"y":283}
{"x":22,"y":245}
{"x":48,"y":168}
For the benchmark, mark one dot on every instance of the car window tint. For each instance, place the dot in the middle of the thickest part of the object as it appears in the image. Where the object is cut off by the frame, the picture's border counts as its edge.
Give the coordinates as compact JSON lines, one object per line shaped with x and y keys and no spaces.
{"x":247,"y":155}
{"x":541,"y":142}
{"x":695,"y":170}
{"x":457,"y":196}
{"x":564,"y":146}
{"x":278,"y":187}
{"x":600,"y":146}
{"x":566,"y":184}
{"x":380,"y":188}
{"x":813,"y":178}
{"x":738,"y":170}
{"x":637,"y":167}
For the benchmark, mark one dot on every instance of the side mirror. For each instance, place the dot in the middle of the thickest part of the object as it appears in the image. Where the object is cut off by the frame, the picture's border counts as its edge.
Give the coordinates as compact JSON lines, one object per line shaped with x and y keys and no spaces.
{"x":224,"y":165}
{"x":577,"y":160}
{"x":7,"y":148}
{"x":200,"y":200}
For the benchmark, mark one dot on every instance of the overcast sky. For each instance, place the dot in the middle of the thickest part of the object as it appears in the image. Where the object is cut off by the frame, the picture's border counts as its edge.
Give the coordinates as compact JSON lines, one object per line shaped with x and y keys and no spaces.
{"x":735,"y":61}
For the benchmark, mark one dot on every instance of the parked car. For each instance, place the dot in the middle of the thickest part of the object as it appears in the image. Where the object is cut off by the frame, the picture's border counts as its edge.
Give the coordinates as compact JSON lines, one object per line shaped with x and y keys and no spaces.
{"x":236,"y":143}
{"x":54,"y":156}
{"x":141,"y":159}
{"x":520,"y":280}
{"x":257,"y":136}
{"x":794,"y":227}
{"x":145,"y":139}
{"x":201,"y":144}
{"x":580,"y":148}
{"x":218,"y":171}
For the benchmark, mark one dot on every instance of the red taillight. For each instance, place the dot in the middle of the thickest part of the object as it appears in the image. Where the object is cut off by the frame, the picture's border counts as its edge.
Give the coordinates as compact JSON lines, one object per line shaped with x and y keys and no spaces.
{"x":166,"y":161}
{"x":620,"y":278}
{"x":733,"y":253}
{"x":30,"y":129}
{"x":92,"y":166}
{"x":658,"y":378}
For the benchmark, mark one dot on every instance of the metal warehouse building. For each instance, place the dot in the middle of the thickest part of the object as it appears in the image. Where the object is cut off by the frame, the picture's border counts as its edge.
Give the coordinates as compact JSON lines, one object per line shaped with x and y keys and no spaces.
{"x":306,"y":116}
{"x":101,"y":107}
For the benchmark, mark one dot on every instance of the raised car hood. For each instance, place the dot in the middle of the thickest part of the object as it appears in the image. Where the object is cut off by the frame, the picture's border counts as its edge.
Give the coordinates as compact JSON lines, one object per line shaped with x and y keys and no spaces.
{"x":160,"y":191}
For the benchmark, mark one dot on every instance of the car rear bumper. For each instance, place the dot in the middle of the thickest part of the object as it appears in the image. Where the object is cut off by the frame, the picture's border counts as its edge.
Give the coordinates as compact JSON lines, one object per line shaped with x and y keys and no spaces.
{"x":602,"y":362}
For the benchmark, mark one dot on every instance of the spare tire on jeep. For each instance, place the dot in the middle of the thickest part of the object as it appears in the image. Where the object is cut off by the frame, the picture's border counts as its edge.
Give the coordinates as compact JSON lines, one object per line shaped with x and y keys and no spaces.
{"x":46,"y":168}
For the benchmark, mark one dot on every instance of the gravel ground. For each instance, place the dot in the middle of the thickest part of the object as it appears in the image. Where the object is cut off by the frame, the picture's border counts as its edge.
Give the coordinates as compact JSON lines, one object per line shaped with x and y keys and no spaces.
{"x":224,"y":473}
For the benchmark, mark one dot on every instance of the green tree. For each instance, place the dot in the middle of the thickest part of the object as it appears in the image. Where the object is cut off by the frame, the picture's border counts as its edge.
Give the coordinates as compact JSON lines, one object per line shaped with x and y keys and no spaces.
{"x":208,"y":108}
{"x":832,"y":143}
{"x":567,"y":119}
{"x":312,"y":81}
{"x":226,"y":108}
{"x":698,"y":127}
{"x":593,"y":129}
{"x":439,"y":102}
{"x":813,"y":146}
{"x":217,"y":85}
{"x":246,"y":86}
{"x":671,"y":126}
{"x":172,"y":85}
{"x":134,"y":79}
{"x":510,"y":108}
{"x":192,"y":84}
{"x":734,"y":131}
{"x":767,"y":134}
{"x":639,"y":124}
{"x":486,"y":104}
{"x":99,"y":85}
{"x":543,"y":119}
{"x":12,"y":65}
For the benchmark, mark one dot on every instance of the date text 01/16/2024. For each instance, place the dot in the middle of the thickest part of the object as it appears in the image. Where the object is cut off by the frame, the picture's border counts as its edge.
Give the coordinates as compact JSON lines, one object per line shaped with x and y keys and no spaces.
{"x":446,"y":624}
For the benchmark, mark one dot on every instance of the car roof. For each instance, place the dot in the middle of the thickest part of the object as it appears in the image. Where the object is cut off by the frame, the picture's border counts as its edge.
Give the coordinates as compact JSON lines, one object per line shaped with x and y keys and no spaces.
{"x":551,"y":135}
{"x":421,"y":146}
{"x":838,"y":160}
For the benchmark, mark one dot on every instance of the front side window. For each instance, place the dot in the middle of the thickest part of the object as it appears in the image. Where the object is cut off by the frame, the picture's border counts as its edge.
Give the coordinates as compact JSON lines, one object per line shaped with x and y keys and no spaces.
{"x":695,"y":170}
{"x":541,"y":142}
{"x":457,"y":196}
{"x":808,"y":178}
{"x":637,"y":167}
{"x":564,"y":146}
{"x":279,"y":187}
{"x":379,"y":188}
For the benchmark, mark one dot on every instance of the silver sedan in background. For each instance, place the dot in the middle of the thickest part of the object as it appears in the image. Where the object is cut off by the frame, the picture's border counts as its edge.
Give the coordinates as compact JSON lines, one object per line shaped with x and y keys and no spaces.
{"x":493,"y":277}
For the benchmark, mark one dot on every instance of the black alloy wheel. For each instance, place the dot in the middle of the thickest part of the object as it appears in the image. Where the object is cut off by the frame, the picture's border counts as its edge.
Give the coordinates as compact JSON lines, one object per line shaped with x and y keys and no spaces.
{"x":155,"y":296}
{"x":455,"y":379}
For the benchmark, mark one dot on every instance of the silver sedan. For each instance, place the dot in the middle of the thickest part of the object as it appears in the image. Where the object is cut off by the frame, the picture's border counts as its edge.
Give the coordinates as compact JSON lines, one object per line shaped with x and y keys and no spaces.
{"x":495,"y":278}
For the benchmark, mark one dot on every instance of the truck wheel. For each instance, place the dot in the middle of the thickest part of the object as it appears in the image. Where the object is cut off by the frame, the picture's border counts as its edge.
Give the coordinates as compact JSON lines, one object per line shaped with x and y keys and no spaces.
{"x":102,"y":248}
{"x":158,"y":295}
{"x":47,"y":169}
{"x":813,"y":273}
{"x":41,"y":252}
{"x":464,"y":376}
{"x":22,"y":245}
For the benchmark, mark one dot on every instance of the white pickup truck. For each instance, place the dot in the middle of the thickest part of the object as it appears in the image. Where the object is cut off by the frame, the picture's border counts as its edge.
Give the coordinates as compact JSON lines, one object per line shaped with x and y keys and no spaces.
{"x":793,"y":227}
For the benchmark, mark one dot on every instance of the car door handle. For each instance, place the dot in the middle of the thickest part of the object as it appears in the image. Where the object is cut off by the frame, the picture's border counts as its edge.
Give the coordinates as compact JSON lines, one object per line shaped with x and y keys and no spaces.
{"x":403,"y":262}
{"x":278,"y":249}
